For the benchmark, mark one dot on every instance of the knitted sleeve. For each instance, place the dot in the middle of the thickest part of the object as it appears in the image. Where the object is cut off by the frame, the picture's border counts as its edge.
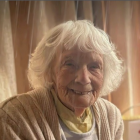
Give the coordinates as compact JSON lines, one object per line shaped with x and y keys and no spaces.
{"x":9,"y":130}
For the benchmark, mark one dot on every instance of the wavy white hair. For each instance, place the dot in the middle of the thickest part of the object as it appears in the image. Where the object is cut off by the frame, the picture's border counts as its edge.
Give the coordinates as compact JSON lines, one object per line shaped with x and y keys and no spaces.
{"x":84,"y":35}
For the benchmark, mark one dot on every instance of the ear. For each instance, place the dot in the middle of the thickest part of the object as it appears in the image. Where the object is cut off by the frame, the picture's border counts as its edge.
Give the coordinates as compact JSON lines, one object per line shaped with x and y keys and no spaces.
{"x":51,"y":76}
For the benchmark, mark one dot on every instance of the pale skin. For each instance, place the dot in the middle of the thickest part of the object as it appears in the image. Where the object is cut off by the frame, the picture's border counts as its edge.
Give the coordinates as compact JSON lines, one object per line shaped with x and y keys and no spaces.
{"x":78,"y":79}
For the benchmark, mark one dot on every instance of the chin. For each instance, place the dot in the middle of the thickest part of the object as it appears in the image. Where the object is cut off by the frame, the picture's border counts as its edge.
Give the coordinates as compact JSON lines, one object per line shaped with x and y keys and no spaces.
{"x":81,"y":101}
{"x":82,"y":106}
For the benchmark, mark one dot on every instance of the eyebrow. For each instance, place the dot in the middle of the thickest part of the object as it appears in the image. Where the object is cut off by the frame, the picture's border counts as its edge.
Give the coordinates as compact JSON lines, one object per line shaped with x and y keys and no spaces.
{"x":71,"y":56}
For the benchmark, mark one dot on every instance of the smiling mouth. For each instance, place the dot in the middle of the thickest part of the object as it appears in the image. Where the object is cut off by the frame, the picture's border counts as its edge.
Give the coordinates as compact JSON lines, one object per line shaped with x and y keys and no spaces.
{"x":81,"y":93}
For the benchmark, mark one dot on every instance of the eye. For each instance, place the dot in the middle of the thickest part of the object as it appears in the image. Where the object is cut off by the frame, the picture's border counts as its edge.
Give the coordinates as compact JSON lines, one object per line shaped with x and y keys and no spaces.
{"x":95,"y":66}
{"x":69,"y":64}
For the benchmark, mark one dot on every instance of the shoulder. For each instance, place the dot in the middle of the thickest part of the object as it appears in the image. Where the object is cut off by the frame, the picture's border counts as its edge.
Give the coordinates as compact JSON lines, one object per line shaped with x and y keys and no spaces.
{"x":24,"y":101}
{"x":109,"y":110}
{"x":21,"y":97}
{"x":109,"y":107}
{"x":27,"y":113}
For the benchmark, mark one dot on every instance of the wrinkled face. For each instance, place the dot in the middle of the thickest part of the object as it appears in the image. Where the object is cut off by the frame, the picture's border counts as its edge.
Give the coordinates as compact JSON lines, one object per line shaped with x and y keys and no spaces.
{"x":78,"y":78}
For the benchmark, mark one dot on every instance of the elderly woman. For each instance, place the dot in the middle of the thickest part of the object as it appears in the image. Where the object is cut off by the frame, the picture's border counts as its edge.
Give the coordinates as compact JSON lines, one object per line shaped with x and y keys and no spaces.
{"x":71,"y":68}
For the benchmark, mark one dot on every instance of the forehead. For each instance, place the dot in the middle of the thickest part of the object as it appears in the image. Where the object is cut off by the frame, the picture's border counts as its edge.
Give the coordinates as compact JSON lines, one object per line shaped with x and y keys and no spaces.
{"x":77,"y":54}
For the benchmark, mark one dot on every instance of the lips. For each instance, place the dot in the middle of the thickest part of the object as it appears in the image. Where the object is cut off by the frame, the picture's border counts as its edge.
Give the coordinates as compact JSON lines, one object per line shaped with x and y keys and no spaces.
{"x":80,"y":92}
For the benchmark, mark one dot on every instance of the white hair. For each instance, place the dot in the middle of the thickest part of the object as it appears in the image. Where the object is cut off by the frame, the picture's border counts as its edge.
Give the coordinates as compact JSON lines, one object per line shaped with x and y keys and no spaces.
{"x":84,"y":35}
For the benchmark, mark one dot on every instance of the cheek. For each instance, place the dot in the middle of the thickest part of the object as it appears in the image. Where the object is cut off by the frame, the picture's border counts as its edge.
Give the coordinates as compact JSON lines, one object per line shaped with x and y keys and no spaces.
{"x":64,"y":78}
{"x":97,"y":81}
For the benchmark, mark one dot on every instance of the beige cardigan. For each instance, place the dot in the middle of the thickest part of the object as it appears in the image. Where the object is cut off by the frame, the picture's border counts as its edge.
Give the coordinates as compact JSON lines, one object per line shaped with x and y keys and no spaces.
{"x":32,"y":116}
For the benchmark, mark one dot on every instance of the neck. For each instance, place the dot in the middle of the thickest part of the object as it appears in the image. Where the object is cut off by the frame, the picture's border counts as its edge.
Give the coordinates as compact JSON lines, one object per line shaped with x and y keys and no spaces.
{"x":79,"y":111}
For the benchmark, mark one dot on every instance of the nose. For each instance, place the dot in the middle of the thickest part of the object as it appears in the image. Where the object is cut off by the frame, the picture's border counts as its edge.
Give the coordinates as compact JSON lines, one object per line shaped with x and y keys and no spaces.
{"x":83,"y":76}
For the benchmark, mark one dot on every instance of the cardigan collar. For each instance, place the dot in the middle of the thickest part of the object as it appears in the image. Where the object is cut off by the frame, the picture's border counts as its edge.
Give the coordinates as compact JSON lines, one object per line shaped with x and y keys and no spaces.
{"x":101,"y":119}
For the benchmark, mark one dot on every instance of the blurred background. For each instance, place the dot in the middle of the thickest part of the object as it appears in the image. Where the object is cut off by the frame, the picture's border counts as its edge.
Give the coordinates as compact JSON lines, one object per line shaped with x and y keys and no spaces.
{"x":23,"y":24}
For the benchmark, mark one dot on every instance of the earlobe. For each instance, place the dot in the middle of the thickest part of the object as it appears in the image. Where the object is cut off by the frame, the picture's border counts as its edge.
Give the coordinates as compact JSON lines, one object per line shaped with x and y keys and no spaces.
{"x":53,"y":77}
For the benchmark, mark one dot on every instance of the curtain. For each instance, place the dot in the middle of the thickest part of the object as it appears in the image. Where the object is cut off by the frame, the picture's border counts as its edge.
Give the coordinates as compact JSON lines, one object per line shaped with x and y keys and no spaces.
{"x":7,"y":66}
